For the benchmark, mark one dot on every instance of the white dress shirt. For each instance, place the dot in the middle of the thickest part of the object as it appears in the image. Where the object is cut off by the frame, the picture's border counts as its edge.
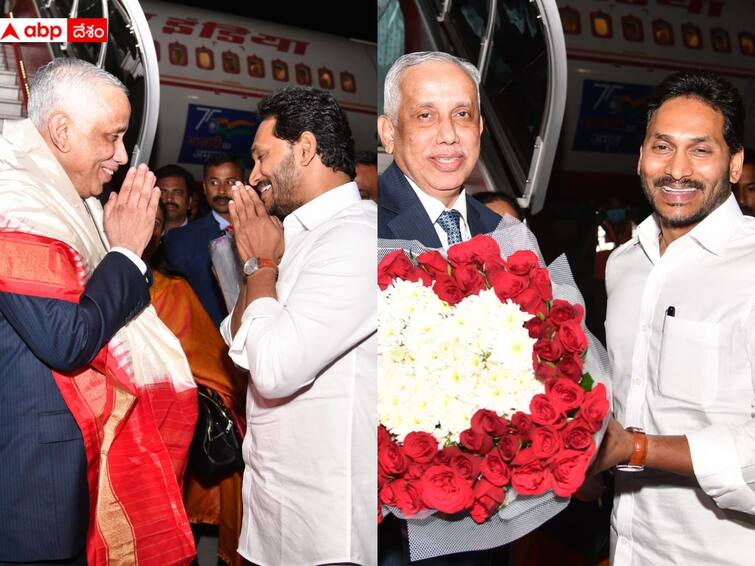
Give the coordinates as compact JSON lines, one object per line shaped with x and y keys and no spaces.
{"x":688,"y":374}
{"x":310,"y":482}
{"x":435,"y":208}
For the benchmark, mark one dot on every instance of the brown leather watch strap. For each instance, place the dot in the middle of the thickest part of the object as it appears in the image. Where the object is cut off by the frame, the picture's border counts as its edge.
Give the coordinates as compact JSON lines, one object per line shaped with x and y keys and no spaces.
{"x":640,"y":450}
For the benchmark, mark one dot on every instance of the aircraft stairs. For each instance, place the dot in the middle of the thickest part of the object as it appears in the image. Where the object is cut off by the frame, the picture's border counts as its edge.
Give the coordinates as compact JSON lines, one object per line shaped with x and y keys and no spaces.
{"x":12,"y":106}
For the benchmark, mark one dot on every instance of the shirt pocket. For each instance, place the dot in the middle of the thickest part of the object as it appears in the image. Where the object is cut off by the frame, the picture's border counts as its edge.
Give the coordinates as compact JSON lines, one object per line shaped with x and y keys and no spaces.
{"x":689,"y":361}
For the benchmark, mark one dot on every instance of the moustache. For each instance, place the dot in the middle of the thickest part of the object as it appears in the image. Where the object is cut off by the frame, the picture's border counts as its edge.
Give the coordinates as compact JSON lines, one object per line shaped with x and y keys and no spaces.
{"x":669,"y":181}
{"x":220,"y":200}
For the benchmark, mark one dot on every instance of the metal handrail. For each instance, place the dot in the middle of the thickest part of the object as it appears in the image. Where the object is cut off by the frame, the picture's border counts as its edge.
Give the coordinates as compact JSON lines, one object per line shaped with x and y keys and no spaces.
{"x":21,"y":71}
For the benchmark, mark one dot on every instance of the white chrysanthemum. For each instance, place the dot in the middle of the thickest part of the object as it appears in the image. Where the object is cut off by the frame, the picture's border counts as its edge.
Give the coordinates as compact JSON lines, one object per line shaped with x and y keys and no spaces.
{"x":437,"y":364}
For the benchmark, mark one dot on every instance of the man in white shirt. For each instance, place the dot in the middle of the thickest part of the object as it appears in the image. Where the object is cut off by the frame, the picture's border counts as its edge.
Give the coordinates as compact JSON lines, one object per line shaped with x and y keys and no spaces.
{"x":308,"y":340}
{"x":681,"y":339}
{"x":432,"y":127}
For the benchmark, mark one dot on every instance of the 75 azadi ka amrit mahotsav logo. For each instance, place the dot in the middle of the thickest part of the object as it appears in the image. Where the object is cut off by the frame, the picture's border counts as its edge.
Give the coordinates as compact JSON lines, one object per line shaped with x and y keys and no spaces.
{"x":58,"y":30}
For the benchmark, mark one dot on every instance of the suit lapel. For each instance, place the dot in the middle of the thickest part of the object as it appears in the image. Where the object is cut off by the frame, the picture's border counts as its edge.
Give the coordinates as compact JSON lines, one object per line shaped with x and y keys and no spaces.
{"x":411,"y":221}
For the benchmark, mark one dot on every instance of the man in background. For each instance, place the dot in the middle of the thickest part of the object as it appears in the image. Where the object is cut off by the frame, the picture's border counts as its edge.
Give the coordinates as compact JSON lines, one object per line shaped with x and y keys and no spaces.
{"x":367,"y":177}
{"x":176,"y":193}
{"x":745,"y":187}
{"x":187,"y":249}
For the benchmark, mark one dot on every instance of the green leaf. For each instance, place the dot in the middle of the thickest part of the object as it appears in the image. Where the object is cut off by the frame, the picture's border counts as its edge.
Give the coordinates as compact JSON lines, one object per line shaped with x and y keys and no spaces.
{"x":586,"y":382}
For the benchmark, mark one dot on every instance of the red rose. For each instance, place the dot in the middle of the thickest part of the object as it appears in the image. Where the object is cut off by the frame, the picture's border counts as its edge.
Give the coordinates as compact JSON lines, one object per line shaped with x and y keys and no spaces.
{"x":476,"y":250}
{"x":577,"y":436}
{"x":488,"y":422}
{"x":387,"y":493}
{"x":445,"y":455}
{"x":567,"y":470}
{"x":564,"y":393}
{"x":522,"y":423}
{"x":530,"y":301}
{"x":494,"y":263}
{"x":546,"y":441}
{"x":571,"y":336}
{"x":391,"y":459}
{"x":394,"y":265}
{"x":530,"y":478}
{"x":409,"y":497}
{"x":571,"y":366}
{"x":545,"y":371}
{"x":594,"y":407}
{"x":477,"y":442}
{"x":535,"y":326}
{"x":506,"y":284}
{"x":434,"y":263}
{"x":563,"y":311}
{"x":466,"y":465}
{"x":420,"y":447}
{"x":495,"y":469}
{"x":540,"y":280}
{"x":521,"y":262}
{"x":414,"y":470}
{"x":548,"y":350}
{"x":447,"y":290}
{"x":469,"y":279}
{"x":487,"y":499}
{"x":445,"y":490}
{"x":543,"y":411}
{"x":509,"y":444}
{"x":383,"y":435}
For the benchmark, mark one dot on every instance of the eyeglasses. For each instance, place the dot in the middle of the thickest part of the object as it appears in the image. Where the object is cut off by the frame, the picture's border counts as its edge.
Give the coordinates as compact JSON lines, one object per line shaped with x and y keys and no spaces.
{"x":214,"y":182}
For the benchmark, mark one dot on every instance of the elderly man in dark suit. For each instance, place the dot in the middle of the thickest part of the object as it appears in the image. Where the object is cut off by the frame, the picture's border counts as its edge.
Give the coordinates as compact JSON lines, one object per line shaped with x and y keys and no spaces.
{"x":187,"y":249}
{"x":76,"y":343}
{"x":432,"y":127}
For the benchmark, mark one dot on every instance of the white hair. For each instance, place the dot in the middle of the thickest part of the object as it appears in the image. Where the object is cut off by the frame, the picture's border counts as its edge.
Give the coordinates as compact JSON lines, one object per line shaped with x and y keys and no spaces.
{"x":391,"y":93}
{"x":61,"y":77}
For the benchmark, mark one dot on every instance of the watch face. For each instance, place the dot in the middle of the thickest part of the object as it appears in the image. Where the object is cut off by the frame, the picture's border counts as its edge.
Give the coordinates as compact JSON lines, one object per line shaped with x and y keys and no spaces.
{"x":251,"y":265}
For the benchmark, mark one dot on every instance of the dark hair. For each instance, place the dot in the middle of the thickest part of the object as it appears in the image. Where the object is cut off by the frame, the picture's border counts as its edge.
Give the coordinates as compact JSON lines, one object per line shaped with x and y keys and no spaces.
{"x":749,"y":156}
{"x":216,"y":159}
{"x":491,"y":196}
{"x":713,"y":90}
{"x":366,"y":158}
{"x":173,"y":170}
{"x":300,"y":109}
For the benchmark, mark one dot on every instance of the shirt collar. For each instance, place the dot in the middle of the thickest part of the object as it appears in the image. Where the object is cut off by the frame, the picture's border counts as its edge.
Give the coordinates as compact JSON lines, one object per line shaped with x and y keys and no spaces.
{"x":712,"y":233}
{"x":222,"y":222}
{"x":434,"y":207}
{"x":323,"y":207}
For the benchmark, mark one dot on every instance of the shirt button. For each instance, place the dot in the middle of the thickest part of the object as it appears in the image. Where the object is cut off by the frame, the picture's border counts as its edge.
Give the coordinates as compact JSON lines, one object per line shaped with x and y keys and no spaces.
{"x":623,"y":540}
{"x":637,"y":380}
{"x":645,"y":328}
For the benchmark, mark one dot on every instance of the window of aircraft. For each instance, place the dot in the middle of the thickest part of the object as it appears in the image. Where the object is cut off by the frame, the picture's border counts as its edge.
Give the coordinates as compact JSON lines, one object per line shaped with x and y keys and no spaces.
{"x":303,"y":74}
{"x":746,"y":43}
{"x":692,"y":36}
{"x":631,"y":28}
{"x":663,"y":34}
{"x":178,"y":54}
{"x":719,"y":39}
{"x":231,"y":62}
{"x":570,"y":20}
{"x":157,"y":49}
{"x":205,"y":58}
{"x":255,"y":66}
{"x":280,"y":70}
{"x":348,"y":82}
{"x":325,"y":78}
{"x":601,"y":24}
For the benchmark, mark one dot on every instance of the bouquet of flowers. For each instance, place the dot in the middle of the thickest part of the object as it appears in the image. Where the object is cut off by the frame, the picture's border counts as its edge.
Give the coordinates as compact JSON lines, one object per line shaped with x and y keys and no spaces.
{"x":481,"y":383}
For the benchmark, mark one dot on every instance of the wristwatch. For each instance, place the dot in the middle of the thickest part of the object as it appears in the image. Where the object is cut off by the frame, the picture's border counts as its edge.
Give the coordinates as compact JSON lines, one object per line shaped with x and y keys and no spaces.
{"x":253,"y":264}
{"x":639,"y":452}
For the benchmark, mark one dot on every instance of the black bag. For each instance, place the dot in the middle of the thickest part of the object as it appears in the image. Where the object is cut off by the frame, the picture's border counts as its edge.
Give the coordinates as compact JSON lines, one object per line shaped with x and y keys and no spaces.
{"x":216,"y":446}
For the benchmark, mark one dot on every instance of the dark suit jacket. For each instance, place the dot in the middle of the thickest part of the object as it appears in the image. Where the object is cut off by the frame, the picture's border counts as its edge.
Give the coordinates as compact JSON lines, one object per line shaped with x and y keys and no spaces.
{"x":43,"y":485}
{"x":402,"y":216}
{"x":187,"y":250}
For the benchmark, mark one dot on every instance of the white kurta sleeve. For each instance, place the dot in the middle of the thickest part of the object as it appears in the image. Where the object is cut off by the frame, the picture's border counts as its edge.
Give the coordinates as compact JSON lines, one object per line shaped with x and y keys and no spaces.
{"x":331,"y":308}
